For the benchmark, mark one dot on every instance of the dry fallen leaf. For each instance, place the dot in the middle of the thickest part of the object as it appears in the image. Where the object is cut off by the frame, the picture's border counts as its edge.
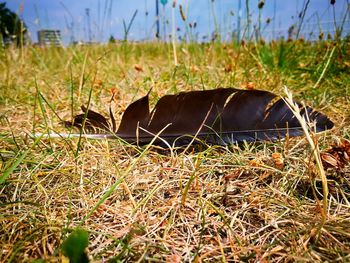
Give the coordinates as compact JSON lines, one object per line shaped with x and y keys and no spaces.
{"x":114,"y":93}
{"x":264,"y":175}
{"x":138,"y":68}
{"x":228,"y":67}
{"x":194,"y":68}
{"x":278,"y":160}
{"x":329,"y":160}
{"x":255,"y":163}
{"x":98,"y":83}
{"x":337,"y":156}
{"x":249,"y":85}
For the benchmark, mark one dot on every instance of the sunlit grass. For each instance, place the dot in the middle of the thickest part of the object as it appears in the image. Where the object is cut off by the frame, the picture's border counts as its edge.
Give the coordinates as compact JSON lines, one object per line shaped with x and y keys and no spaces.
{"x":249,"y":202}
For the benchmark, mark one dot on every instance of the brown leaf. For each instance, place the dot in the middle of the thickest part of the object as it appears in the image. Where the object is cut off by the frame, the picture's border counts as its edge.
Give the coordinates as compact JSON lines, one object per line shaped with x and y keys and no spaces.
{"x":114,"y":93}
{"x":98,"y":84}
{"x":194,"y":68}
{"x":337,"y":156}
{"x":329,"y":160}
{"x":278,"y":160}
{"x":228,"y":68}
{"x":265,"y":175}
{"x":250,"y":86}
{"x":173,"y":258}
{"x":255,"y":163}
{"x":138,"y":68}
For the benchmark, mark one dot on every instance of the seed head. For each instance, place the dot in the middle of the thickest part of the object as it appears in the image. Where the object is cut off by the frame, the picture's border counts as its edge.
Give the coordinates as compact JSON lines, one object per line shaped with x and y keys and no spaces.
{"x":182,"y":13}
{"x":261,"y":4}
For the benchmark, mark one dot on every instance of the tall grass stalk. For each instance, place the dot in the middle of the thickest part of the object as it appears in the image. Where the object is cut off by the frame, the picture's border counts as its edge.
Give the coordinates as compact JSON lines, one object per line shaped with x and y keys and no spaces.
{"x":314,"y":149}
{"x":301,"y":20}
{"x":128,"y":27}
{"x":173,"y":35}
{"x":325,"y":68}
{"x":248,"y":18}
{"x":82,"y":76}
{"x":339,"y":29}
{"x":83,"y":125}
{"x":216,"y":23}
{"x":184,"y":16}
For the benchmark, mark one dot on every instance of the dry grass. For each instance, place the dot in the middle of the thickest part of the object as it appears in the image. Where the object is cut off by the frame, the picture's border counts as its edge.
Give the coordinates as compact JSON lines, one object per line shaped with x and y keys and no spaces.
{"x":253,"y":202}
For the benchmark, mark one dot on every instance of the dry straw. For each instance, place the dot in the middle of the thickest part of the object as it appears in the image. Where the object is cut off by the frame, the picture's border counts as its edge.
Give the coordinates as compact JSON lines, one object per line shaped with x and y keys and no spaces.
{"x":312,"y":140}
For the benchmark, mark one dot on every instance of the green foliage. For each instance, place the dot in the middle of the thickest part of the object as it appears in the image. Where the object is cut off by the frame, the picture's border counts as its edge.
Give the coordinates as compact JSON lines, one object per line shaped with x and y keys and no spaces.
{"x":74,"y":246}
{"x":281,"y":55}
{"x":17,"y":161}
{"x":12,"y":28}
{"x":13,"y":166}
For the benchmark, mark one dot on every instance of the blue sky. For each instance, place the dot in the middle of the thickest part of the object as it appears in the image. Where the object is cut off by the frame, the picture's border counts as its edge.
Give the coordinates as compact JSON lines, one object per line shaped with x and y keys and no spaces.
{"x":106,"y":17}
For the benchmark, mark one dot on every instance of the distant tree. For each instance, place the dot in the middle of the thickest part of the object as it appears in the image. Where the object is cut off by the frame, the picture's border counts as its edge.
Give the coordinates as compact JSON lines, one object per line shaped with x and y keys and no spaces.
{"x":111,"y":40}
{"x":12,"y":28}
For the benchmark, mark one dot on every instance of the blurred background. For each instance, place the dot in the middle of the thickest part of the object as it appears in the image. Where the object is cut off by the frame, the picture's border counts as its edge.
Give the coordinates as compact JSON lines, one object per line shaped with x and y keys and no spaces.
{"x":66,"y":22}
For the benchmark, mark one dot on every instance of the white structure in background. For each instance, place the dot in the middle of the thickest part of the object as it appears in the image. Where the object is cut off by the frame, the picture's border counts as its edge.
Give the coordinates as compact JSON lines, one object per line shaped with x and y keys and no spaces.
{"x":49,"y":37}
